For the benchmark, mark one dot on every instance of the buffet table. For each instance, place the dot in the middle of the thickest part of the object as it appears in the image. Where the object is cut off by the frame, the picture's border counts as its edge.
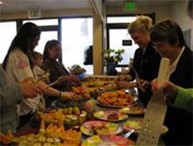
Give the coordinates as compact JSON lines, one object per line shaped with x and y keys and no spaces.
{"x":29,"y":128}
{"x":75,"y":124}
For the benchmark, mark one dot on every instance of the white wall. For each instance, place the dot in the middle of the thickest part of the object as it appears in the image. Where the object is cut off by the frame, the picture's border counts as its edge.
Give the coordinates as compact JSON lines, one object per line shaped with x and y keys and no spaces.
{"x":162,"y":12}
{"x":178,"y":13}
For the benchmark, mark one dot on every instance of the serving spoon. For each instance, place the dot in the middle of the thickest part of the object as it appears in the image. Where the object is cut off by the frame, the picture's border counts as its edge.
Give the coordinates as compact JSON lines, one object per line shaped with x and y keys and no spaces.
{"x":126,"y":135}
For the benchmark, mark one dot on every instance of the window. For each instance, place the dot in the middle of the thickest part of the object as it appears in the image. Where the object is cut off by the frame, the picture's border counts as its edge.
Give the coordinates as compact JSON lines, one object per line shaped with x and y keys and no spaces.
{"x":7,"y":33}
{"x":43,"y":22}
{"x":77,"y":36}
{"x":121,"y":19}
{"x":47,"y":33}
{"x":45,"y":36}
{"x":116,"y":39}
{"x":117,"y":34}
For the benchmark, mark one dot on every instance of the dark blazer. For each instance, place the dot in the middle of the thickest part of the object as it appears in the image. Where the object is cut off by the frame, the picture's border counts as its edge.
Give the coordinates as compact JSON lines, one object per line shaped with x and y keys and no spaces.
{"x":177,"y":120}
{"x":147,"y":63}
{"x":183,"y":75}
{"x":147,"y":66}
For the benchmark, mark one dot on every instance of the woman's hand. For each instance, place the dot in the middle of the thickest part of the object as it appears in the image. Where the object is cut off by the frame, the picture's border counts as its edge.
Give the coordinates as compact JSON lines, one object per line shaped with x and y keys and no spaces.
{"x":125,"y":84}
{"x":70,"y":96}
{"x":124,"y":78}
{"x":73,"y":79}
{"x":170,"y":90}
{"x":143,"y":85}
{"x":29,"y":89}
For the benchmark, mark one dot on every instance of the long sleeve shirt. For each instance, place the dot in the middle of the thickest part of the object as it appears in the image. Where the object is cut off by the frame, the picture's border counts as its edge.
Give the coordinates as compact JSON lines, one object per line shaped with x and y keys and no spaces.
{"x":184,"y":99}
{"x":146,"y":63}
{"x":8,"y":104}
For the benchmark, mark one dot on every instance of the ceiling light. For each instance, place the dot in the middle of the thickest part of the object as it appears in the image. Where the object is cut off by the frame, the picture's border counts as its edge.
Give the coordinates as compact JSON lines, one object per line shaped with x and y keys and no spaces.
{"x":1,"y":2}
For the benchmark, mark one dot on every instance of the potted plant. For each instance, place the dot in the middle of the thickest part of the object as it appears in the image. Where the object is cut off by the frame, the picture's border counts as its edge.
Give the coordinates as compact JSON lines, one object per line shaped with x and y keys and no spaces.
{"x":112,"y":57}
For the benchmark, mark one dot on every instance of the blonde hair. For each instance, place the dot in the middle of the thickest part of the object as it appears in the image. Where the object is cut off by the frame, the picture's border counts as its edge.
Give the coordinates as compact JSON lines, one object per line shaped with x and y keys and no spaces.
{"x":142,"y":23}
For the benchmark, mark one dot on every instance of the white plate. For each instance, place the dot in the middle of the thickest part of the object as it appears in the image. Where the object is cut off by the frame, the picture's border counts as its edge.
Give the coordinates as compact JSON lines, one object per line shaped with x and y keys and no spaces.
{"x":101,"y":128}
{"x":103,"y":115}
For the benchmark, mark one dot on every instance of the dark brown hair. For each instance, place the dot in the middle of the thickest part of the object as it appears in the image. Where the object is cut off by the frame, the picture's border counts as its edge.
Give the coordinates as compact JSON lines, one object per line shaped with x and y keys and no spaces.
{"x":168,"y":31}
{"x":23,"y":40}
{"x":35,"y":55}
{"x":49,"y":45}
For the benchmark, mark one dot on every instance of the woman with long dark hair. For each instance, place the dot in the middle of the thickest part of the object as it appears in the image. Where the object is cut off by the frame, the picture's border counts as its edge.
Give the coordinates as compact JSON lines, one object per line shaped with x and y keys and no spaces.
{"x":52,"y":65}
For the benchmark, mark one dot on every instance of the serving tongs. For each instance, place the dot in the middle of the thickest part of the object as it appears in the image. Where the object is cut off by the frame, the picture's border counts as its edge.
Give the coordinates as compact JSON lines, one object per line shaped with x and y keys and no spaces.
{"x":128,"y":134}
{"x":60,"y":79}
{"x":137,"y":78}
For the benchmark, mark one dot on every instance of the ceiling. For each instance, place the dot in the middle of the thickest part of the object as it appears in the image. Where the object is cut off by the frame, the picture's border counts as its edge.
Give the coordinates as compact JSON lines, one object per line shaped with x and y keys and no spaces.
{"x":25,"y":5}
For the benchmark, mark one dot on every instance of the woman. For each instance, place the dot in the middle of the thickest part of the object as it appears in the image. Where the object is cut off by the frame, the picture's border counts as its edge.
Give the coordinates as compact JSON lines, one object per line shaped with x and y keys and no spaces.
{"x":169,"y":41}
{"x":19,"y":68}
{"x":52,"y":65}
{"x":175,"y":95}
{"x":52,"y":54}
{"x":146,"y":59}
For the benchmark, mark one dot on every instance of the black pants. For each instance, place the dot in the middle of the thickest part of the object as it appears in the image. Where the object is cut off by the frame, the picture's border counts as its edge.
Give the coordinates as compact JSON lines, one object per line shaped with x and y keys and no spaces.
{"x":180,"y":127}
{"x":144,"y":97}
{"x":23,"y":120}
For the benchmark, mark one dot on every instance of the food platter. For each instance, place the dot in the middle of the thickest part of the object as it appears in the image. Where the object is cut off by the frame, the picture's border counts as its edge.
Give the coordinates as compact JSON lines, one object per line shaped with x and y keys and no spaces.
{"x":107,"y":140}
{"x":114,"y":106}
{"x":110,"y":115}
{"x":91,"y":128}
{"x":69,"y":117}
{"x":136,"y":125}
{"x":64,"y":104}
{"x":134,"y":110}
{"x":133,"y":124}
{"x":116,"y":99}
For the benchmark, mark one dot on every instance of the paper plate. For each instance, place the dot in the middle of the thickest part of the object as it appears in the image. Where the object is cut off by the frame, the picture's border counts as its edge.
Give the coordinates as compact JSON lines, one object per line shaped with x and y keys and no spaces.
{"x":91,"y":128}
{"x":105,"y":115}
{"x":107,"y":140}
{"x":135,"y":110}
{"x":114,"y":106}
{"x":136,"y":125}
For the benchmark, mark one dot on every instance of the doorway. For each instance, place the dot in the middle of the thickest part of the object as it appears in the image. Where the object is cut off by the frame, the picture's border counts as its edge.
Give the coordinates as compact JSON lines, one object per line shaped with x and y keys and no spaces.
{"x":119,"y":38}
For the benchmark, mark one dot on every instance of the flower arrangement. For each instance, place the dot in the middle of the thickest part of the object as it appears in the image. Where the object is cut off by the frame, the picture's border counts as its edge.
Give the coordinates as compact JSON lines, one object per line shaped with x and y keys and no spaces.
{"x":113,"y":56}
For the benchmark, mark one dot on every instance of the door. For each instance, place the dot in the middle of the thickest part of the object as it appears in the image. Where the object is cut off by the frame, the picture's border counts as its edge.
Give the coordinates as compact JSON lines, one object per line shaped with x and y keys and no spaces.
{"x":119,"y":38}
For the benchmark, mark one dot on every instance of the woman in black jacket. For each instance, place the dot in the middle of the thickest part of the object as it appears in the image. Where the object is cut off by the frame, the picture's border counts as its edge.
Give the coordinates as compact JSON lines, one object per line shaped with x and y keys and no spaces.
{"x":169,"y":41}
{"x":146,"y":60}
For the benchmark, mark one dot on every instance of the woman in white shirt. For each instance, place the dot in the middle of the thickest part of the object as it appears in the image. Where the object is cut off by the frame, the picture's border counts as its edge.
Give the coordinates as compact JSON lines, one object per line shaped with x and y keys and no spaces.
{"x":19,"y":67}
